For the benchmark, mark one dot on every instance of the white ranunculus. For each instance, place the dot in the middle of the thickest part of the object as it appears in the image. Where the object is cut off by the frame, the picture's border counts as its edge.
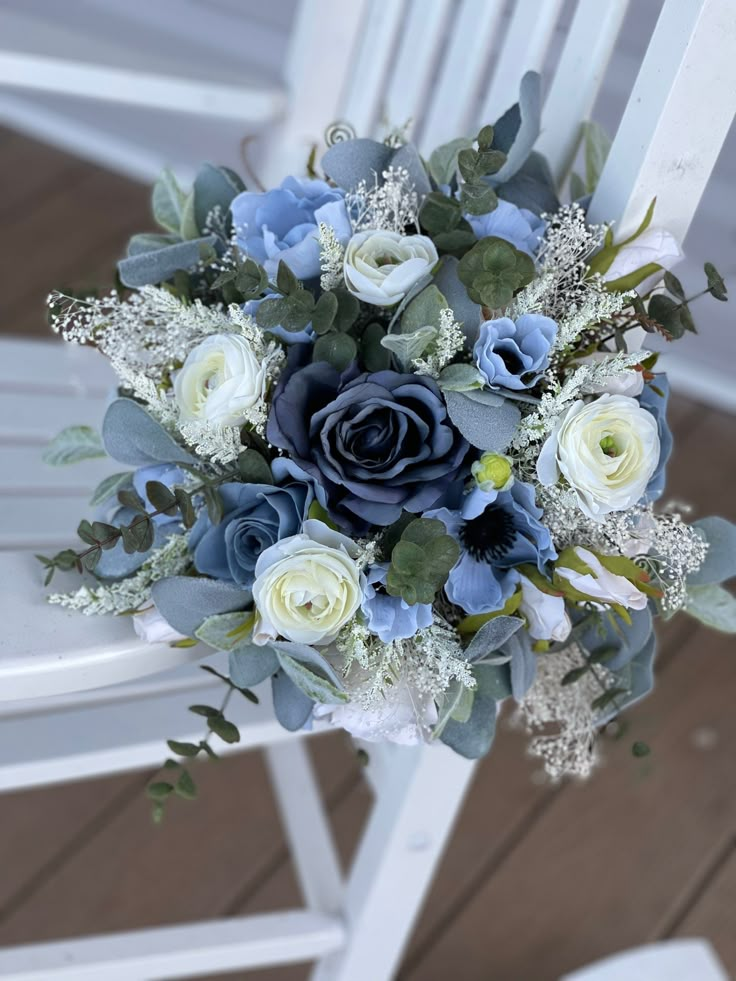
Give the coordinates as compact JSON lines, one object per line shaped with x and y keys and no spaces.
{"x":602,"y":585}
{"x":382,"y":266}
{"x":220,"y":381}
{"x":153,"y":629}
{"x":307,"y":586}
{"x":653,"y":245}
{"x":630,"y":381}
{"x":546,"y":615}
{"x":607,"y":450}
{"x":404,"y":716}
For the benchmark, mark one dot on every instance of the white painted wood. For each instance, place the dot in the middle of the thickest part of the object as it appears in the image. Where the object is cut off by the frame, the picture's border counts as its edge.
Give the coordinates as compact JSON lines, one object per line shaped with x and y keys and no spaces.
{"x":306,"y":824}
{"x":403,"y":841}
{"x":181,"y":951}
{"x":524,"y":49}
{"x":461,"y":73}
{"x":23,"y":472}
{"x":28,"y":417}
{"x":365,"y":85}
{"x":40,"y":521}
{"x":677,"y":118}
{"x":578,"y":77}
{"x":671,"y":960}
{"x":53,"y":367}
{"x":415,"y":61}
{"x":117,"y":734}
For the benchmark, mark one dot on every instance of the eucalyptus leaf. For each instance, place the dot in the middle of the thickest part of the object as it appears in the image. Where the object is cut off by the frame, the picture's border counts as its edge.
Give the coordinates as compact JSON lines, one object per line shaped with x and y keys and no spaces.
{"x":443,"y":160}
{"x":712,"y":605}
{"x":720,"y":559}
{"x":167,"y":201}
{"x":407,"y":347}
{"x":110,"y":486}
{"x":339,"y":350}
{"x":460,"y":378}
{"x":72,"y":445}
{"x":425,"y":309}
{"x":253,"y":468}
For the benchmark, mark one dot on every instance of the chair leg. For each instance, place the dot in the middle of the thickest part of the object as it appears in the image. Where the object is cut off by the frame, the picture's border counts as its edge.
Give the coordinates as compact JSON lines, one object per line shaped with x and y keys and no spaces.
{"x":416,"y":806}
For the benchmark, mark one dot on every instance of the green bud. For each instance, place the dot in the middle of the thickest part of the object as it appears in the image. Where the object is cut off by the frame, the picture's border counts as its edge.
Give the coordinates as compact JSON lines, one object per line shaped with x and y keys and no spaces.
{"x":492,"y":472}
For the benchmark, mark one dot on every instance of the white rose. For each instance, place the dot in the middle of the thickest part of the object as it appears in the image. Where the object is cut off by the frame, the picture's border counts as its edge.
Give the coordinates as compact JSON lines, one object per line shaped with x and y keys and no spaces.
{"x":602,"y":585}
{"x":607,"y":450}
{"x":653,"y":245}
{"x":626,"y":382}
{"x":546,"y":615}
{"x":307,"y":586}
{"x":382,"y":266}
{"x":220,"y":381}
{"x":404,"y":716}
{"x":151,"y":627}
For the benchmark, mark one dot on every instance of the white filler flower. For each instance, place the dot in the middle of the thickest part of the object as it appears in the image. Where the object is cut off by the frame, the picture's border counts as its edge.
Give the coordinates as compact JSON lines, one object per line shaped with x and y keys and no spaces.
{"x":382,"y":266}
{"x":220,"y":382}
{"x":600,"y":584}
{"x":307,"y":586}
{"x":607,"y":450}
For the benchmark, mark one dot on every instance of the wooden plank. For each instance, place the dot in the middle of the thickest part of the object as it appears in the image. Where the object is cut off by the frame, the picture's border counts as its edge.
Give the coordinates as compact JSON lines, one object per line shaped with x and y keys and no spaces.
{"x":32,"y":170}
{"x":53,"y":367}
{"x":24,"y":473}
{"x":712,"y":914}
{"x":594,"y":874}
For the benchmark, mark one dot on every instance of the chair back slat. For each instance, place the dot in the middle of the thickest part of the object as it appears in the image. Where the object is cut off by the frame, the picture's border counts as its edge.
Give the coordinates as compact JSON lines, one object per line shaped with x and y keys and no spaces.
{"x":461,"y":74}
{"x":676,"y":120}
{"x":524,"y":49}
{"x":416,"y":59}
{"x":580,"y":71}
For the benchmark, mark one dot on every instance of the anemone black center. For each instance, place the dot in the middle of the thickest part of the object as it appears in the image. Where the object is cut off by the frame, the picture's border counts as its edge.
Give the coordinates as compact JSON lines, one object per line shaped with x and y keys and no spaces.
{"x":489,"y":537}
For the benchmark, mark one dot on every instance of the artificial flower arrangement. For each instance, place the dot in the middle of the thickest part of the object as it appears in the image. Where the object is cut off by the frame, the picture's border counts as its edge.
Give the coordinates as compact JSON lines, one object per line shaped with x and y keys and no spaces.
{"x":389,"y":446}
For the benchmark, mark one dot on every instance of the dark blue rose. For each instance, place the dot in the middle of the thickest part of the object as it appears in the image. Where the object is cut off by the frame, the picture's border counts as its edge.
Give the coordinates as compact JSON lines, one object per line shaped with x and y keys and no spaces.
{"x":497,"y":531}
{"x":378,"y":444}
{"x":657,"y":405}
{"x":255,"y":517}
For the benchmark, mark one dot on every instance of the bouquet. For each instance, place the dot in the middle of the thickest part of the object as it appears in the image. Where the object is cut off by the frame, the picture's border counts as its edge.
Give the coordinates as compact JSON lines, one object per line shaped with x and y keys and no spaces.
{"x":391,"y":444}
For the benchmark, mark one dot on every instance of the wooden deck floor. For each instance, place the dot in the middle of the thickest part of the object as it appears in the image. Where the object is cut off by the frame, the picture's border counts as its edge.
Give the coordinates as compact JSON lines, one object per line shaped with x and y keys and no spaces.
{"x":537,"y":880}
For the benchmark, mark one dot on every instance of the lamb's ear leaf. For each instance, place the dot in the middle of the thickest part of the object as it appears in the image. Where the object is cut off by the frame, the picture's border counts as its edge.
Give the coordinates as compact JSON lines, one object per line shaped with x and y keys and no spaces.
{"x":187,"y":601}
{"x":492,"y":636}
{"x":250,"y":664}
{"x":352,"y":161}
{"x":132,"y":436}
{"x":150,"y":268}
{"x":214,"y":189}
{"x":291,"y":706}
{"x":720,"y":559}
{"x":473,"y":739}
{"x":517,"y":130}
{"x":488,"y":423}
{"x":714,"y":606}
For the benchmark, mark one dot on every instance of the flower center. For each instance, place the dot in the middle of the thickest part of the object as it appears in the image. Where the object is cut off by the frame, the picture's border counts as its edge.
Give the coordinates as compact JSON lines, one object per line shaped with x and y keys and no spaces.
{"x":609,"y":447}
{"x":489,"y":536}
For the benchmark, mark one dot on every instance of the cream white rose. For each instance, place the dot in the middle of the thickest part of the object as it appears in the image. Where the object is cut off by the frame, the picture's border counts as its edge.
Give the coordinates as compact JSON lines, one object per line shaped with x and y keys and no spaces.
{"x":220,"y":381}
{"x":382,"y":266}
{"x":546,"y":615}
{"x":600,"y":584}
{"x":607,"y":450}
{"x":151,"y":627}
{"x":307,"y":586}
{"x":653,"y":245}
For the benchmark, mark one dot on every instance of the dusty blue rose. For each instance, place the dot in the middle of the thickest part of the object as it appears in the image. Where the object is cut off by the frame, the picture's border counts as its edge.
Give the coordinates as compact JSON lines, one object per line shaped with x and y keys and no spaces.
{"x":522,"y":228}
{"x":513,"y":354}
{"x":497,"y":531}
{"x":377,"y":443}
{"x":390,"y":617}
{"x":282,"y":224}
{"x":255,"y":517}
{"x":657,"y":405}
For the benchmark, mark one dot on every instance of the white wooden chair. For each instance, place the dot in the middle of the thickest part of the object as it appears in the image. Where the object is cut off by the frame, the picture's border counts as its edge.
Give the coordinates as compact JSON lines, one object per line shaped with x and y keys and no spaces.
{"x":63,"y":676}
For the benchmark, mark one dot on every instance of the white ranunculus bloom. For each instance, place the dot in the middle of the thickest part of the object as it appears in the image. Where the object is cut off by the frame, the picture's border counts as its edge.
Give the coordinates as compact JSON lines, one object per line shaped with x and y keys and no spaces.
{"x":653,"y":245}
{"x":546,"y":614}
{"x":382,"y":266}
{"x":626,"y":382}
{"x":153,"y":629}
{"x":220,"y":381}
{"x":607,"y":450}
{"x":602,"y":585}
{"x":404,"y":716}
{"x":307,"y":586}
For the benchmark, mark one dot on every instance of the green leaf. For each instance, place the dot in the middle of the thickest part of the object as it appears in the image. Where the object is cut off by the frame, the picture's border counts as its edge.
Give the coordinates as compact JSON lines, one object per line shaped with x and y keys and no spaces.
{"x":716,"y":285}
{"x":673,"y":284}
{"x":213,"y":502}
{"x":493,"y":270}
{"x":423,"y":531}
{"x":270,"y":312}
{"x":712,"y":605}
{"x":424,"y":310}
{"x":443,"y":161}
{"x":206,"y":711}
{"x":188,"y":228}
{"x":227,"y":731}
{"x":373,"y":354}
{"x":296,"y":310}
{"x":406,"y":347}
{"x":457,"y":704}
{"x":286,"y":280}
{"x":182,"y":749}
{"x":129,"y":498}
{"x":440,"y":213}
{"x":138,"y":535}
{"x":251,"y":279}
{"x":185,"y":786}
{"x":185,"y":505}
{"x":253,"y":468}
{"x":608,"y":697}
{"x":324,"y":314}
{"x":597,"y":144}
{"x":73,"y":444}
{"x":577,"y":186}
{"x":478,"y":199}
{"x":460,"y":378}
{"x":109,"y":487}
{"x":160,"y":790}
{"x":666,"y":312}
{"x":313,"y":685}
{"x":336,"y":349}
{"x":161,"y":497}
{"x":348,"y":309}
{"x":575,"y":675}
{"x":167,"y":202}
{"x":640,"y":749}
{"x":225,"y":631}
{"x":626,"y":284}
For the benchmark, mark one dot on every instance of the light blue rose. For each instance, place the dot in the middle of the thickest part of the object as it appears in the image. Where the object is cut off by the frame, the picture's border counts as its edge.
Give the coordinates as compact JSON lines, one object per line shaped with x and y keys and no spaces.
{"x":657,"y":405}
{"x":282,"y":224}
{"x":390,"y":617}
{"x":522,"y":228}
{"x":512,"y":354}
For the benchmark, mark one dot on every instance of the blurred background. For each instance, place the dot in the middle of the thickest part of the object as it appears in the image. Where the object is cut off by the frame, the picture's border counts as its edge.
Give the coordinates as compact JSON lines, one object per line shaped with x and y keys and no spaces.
{"x":538,"y":880}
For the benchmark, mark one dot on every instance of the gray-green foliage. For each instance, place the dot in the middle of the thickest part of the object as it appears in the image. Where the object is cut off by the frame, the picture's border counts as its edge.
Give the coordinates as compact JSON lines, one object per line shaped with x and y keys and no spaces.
{"x":421,"y":561}
{"x":493,"y":271}
{"x":712,"y":605}
{"x":72,"y":445}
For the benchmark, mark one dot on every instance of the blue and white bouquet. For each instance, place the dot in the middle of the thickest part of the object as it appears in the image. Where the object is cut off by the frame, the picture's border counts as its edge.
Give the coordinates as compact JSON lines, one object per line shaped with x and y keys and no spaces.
{"x":389,"y":446}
